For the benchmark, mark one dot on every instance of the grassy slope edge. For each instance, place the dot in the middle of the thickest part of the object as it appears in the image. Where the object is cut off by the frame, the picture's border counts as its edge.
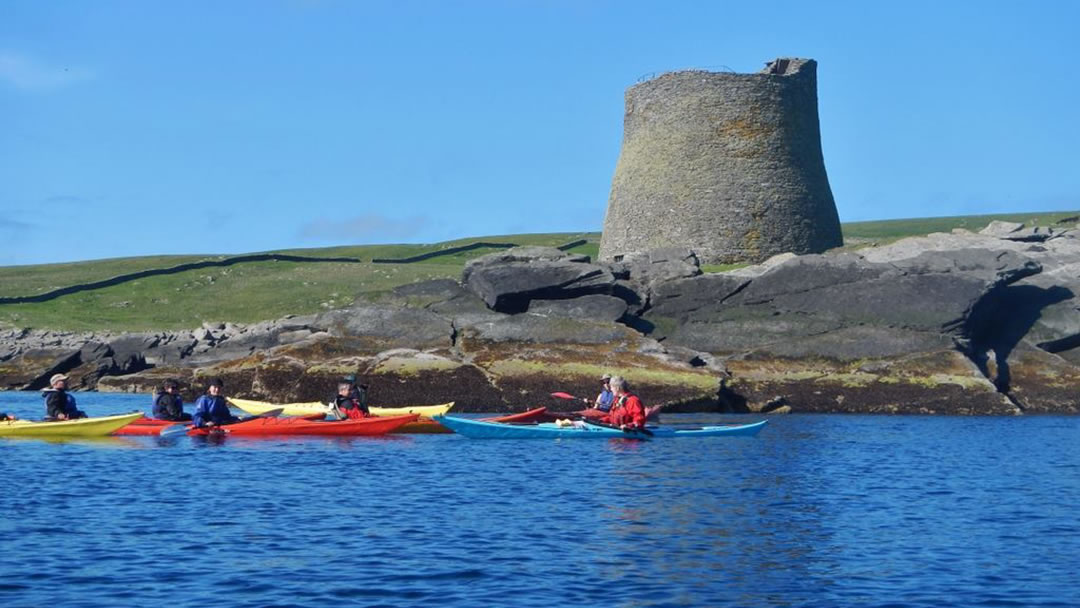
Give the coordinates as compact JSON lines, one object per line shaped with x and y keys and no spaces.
{"x":257,"y":291}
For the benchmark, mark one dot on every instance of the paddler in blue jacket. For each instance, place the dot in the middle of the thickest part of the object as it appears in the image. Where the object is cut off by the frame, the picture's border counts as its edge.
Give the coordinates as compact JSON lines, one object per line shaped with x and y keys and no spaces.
{"x":604,"y":400}
{"x":60,"y":404}
{"x":168,"y":405}
{"x":211,"y":409}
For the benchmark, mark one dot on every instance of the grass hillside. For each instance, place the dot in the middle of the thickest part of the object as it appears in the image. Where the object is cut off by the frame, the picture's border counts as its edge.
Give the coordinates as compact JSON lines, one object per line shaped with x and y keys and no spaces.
{"x":256,"y":291}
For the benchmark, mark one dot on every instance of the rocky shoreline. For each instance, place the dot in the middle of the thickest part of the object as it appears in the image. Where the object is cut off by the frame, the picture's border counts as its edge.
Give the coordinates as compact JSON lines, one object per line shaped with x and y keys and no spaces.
{"x":959,"y":323}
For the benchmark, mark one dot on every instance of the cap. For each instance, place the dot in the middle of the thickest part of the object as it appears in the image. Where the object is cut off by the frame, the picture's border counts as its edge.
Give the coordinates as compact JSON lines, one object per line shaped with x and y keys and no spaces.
{"x":606,"y":377}
{"x":350,"y":378}
{"x":57,"y":377}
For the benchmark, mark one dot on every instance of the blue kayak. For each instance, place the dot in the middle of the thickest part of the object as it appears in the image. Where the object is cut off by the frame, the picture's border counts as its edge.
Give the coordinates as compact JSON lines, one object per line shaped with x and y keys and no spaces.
{"x":479,"y":429}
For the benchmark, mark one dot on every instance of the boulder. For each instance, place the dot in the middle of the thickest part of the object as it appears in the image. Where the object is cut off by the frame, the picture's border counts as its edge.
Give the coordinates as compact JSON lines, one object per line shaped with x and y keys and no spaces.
{"x":507,"y":281}
{"x":376,"y":329}
{"x":446,"y":298}
{"x":589,"y":308}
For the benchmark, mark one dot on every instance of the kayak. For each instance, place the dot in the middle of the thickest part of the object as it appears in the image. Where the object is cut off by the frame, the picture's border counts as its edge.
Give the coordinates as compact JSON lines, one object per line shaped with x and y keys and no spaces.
{"x":316,"y":407}
{"x":651,"y":413}
{"x":146,"y":426}
{"x":429,"y":426}
{"x":539,"y":414}
{"x":153,"y":426}
{"x":480,"y":429}
{"x":80,"y":427}
{"x":302,"y":426}
{"x":422,"y":426}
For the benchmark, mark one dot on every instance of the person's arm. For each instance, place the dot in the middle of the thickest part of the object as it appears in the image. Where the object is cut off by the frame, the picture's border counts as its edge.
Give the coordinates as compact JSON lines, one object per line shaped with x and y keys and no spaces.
{"x":200,"y":414}
{"x":637,"y":413}
{"x":336,"y":406}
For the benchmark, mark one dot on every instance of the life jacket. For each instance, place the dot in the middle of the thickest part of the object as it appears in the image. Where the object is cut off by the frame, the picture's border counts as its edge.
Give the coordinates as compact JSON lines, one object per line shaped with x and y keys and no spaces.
{"x":67,"y":408}
{"x":604,"y":402}
{"x":211,"y":409}
{"x":628,"y":410}
{"x":168,"y":407}
{"x":351,"y":407}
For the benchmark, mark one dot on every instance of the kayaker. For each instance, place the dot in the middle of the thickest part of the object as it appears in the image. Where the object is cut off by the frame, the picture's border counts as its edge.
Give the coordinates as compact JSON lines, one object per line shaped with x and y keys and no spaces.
{"x":627,"y":412}
{"x":358,"y":393}
{"x":168,"y":404}
{"x":606,"y":397}
{"x":60,"y":404}
{"x":211,"y":408}
{"x":346,"y":403}
{"x":4,"y":416}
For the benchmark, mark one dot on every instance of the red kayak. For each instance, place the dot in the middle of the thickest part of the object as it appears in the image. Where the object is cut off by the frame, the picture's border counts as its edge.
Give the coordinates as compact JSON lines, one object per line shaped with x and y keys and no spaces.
{"x":302,"y":426}
{"x":153,"y":426}
{"x":539,"y":414}
{"x":651,"y":414}
{"x":146,"y":426}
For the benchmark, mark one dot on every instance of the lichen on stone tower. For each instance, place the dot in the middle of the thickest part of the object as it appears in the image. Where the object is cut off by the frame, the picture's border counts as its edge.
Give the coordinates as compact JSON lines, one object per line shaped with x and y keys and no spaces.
{"x":727,"y":164}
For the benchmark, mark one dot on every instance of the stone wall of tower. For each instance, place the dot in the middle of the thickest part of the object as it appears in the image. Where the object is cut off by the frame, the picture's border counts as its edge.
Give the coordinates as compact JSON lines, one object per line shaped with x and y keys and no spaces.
{"x":727,"y":164}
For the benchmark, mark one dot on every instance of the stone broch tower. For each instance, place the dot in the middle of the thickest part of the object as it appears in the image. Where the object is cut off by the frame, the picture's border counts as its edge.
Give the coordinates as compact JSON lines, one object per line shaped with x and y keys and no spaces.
{"x":729,"y":165}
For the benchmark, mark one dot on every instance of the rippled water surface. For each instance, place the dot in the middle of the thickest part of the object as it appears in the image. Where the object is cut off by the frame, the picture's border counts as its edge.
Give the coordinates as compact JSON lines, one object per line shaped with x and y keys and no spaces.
{"x":814,"y":511}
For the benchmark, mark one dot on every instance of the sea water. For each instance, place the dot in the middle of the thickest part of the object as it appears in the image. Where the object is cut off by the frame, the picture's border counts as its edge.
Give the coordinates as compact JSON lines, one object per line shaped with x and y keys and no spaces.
{"x":822,"y":510}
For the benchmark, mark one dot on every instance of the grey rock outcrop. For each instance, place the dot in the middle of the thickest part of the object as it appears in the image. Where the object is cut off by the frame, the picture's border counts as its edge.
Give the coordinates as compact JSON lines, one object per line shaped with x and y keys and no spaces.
{"x":508,"y":281}
{"x":596,"y":307}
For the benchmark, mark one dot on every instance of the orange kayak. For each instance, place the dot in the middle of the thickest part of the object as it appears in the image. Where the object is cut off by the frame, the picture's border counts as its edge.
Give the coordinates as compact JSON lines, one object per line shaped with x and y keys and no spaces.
{"x":302,"y":426}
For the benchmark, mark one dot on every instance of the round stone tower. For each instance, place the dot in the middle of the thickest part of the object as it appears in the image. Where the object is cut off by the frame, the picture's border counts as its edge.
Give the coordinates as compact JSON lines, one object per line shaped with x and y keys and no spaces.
{"x":729,"y":165}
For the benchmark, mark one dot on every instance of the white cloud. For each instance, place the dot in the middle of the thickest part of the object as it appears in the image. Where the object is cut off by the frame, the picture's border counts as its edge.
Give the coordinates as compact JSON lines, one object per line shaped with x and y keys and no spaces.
{"x":368,"y":226}
{"x":27,"y":74}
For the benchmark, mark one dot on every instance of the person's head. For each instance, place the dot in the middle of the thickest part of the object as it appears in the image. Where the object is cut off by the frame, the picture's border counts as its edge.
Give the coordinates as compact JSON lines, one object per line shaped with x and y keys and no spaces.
{"x":618,"y":384}
{"x":350,"y":379}
{"x":343,"y":388}
{"x":170,"y":385}
{"x":58,"y":381}
{"x":216,"y":386}
{"x":606,"y":380}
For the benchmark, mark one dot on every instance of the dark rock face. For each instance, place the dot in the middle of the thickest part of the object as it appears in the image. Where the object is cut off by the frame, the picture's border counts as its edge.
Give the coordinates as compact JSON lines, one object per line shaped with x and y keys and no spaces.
{"x":946,"y":324}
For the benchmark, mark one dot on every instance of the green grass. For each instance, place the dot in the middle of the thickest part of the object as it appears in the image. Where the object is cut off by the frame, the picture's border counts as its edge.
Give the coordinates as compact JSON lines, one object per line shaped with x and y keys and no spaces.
{"x":242,"y":293}
{"x":891,"y":230}
{"x":256,"y":291}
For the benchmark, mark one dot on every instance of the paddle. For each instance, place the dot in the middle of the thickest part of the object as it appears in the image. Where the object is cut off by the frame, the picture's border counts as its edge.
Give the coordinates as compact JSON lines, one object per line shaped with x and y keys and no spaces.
{"x":179,"y":429}
{"x":642,"y":430}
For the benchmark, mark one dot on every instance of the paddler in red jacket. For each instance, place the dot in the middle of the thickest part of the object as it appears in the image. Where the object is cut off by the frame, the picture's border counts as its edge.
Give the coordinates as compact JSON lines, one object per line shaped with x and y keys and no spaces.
{"x":347,"y":404}
{"x":627,"y":412}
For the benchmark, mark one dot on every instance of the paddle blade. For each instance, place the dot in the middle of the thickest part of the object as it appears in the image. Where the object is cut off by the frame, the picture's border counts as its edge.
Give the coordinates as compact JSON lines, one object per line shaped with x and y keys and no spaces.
{"x":174,"y":431}
{"x":267,"y":414}
{"x":563,"y":396}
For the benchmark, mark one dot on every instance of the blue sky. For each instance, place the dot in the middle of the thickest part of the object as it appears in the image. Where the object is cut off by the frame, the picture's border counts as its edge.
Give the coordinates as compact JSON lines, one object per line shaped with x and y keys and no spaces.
{"x":139,"y":128}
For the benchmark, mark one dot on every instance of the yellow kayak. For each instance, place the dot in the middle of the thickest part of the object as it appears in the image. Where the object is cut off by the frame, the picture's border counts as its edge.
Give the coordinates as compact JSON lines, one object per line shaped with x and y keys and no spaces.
{"x":81,"y":427}
{"x":315,"y":407}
